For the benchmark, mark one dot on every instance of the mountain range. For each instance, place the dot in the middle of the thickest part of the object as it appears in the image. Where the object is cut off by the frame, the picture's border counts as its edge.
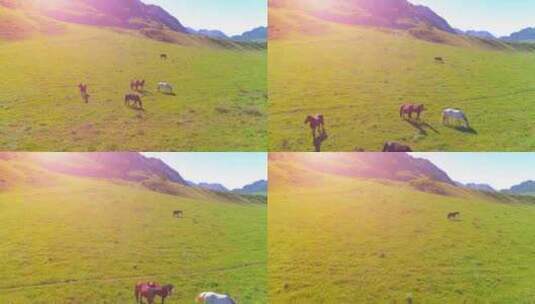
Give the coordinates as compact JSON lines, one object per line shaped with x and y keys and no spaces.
{"x":256,"y":188}
{"x":258,"y":34}
{"x":130,"y":14}
{"x":127,"y":166}
{"x":419,"y":172}
{"x":394,"y":14}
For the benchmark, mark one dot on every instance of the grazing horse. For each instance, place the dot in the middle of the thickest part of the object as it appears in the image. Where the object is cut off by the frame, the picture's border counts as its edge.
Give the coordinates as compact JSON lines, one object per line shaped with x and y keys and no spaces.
{"x":409,"y":109}
{"x":395,"y":147}
{"x":150,"y":290}
{"x":165,"y":87}
{"x":455,"y":114}
{"x":178,"y":213}
{"x":214,"y":298}
{"x":163,"y":56}
{"x":137,"y":85}
{"x":439,"y":59}
{"x":316,"y":123}
{"x":136,"y":99}
{"x":453,"y":215}
{"x":83,"y":91}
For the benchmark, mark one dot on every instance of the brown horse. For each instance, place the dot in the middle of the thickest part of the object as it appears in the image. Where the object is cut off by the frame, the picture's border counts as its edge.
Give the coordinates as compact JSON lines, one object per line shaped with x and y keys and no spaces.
{"x":178,"y":213}
{"x":150,"y":290}
{"x":83,"y":92}
{"x":409,"y":109}
{"x":133,"y":98}
{"x":137,"y":85}
{"x":453,"y":215}
{"x":317,"y":123}
{"x":395,"y":147}
{"x":163,"y":56}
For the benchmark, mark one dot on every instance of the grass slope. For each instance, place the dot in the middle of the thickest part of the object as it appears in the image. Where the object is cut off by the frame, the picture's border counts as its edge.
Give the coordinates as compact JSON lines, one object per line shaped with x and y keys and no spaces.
{"x":220,"y":101}
{"x":74,"y":240}
{"x":343,"y":240}
{"x":359,"y":76}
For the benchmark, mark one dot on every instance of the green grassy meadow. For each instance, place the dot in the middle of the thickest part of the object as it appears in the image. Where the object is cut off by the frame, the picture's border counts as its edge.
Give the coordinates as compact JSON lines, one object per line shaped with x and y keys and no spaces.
{"x":358,"y":77}
{"x":346,"y":240}
{"x":80,"y":240}
{"x":220,"y":102}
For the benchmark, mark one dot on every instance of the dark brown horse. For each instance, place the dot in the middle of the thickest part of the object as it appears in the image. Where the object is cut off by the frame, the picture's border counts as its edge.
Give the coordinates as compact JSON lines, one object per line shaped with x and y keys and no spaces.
{"x":178,"y":213}
{"x":453,"y":215}
{"x":150,"y":290}
{"x":409,"y":109}
{"x":83,"y":92}
{"x":395,"y":147}
{"x":317,"y":123}
{"x":163,"y":56}
{"x":135,"y":99}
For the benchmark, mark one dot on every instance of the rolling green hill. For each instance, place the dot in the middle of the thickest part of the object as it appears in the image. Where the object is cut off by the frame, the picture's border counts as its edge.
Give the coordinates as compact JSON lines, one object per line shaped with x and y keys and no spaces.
{"x":68,"y":239}
{"x":340,"y":239}
{"x":220,"y":86}
{"x":357,"y":76}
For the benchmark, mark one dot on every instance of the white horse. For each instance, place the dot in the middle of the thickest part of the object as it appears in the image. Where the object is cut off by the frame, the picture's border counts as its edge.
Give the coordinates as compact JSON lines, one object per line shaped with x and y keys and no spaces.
{"x":455,"y":114}
{"x":165,"y":87}
{"x":214,"y":298}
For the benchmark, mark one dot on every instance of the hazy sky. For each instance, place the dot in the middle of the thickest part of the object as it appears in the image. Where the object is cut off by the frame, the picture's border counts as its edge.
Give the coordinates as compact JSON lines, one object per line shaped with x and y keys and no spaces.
{"x":231,"y":16}
{"x":233,"y":170}
{"x":500,"y":170}
{"x":500,"y":17}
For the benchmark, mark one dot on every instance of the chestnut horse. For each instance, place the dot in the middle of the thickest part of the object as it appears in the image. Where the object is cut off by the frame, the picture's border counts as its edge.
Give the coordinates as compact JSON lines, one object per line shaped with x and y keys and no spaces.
{"x":83,"y":92}
{"x":137,"y":85}
{"x":409,"y":109}
{"x":150,"y":290}
{"x":316,"y":123}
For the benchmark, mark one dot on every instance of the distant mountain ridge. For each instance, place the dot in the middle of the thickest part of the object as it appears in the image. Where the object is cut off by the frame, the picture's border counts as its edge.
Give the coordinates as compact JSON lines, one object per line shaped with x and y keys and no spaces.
{"x":258,"y":187}
{"x":525,"y":188}
{"x":525,"y":35}
{"x":479,"y":187}
{"x":258,"y":34}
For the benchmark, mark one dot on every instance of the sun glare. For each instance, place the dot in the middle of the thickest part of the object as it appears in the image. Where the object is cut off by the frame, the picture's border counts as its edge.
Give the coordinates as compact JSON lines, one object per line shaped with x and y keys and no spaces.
{"x":317,"y":5}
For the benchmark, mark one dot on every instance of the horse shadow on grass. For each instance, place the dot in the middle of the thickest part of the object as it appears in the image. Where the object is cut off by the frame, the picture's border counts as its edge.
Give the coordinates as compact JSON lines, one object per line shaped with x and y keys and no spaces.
{"x":169,"y":93}
{"x":319,"y":139}
{"x":135,"y":108}
{"x":463,"y":129}
{"x":145,"y":92}
{"x":421,"y":126}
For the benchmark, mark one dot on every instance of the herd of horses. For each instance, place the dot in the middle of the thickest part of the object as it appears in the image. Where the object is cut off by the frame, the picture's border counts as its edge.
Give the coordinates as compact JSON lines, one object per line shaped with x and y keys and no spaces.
{"x":450,"y":117}
{"x":137,"y":87}
{"x":409,"y":111}
{"x":151,"y":290}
